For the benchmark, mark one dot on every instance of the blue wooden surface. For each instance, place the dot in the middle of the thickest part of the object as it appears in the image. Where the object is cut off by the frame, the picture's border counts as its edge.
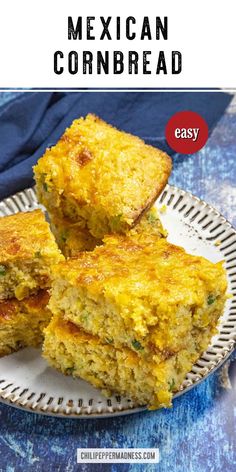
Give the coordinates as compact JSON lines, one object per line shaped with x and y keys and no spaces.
{"x":198,"y":433}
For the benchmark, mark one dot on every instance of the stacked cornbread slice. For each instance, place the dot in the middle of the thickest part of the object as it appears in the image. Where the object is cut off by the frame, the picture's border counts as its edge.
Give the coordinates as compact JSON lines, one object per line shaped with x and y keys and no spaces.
{"x":133,"y":316}
{"x":133,"y":313}
{"x":27,"y":252}
{"x":98,"y":180}
{"x":126,"y":311}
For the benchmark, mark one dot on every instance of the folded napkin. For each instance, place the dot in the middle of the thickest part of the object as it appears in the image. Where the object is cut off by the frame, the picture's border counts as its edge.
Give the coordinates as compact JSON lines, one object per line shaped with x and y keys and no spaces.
{"x":34,"y":121}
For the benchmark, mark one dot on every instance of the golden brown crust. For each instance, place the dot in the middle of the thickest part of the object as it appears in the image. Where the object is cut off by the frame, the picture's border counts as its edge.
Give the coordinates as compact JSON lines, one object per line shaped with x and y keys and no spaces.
{"x":7,"y":309}
{"x":70,"y":329}
{"x":123,"y":258}
{"x":10,"y":308}
{"x":24,"y":234}
{"x":137,"y":216}
{"x":38,"y":301}
{"x":101,"y":176}
{"x":22,"y":322}
{"x":27,"y":251}
{"x":146,"y":294}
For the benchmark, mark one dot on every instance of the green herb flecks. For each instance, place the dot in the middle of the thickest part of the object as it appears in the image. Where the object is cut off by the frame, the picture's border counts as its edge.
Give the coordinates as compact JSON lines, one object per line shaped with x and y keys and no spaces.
{"x":2,"y":270}
{"x":63,"y":236}
{"x":152,"y":218}
{"x":45,"y":186}
{"x":84,"y":316}
{"x":115,"y":222}
{"x":172,"y":385}
{"x":37,"y":254}
{"x":211,"y":300}
{"x":70,"y":370}
{"x":109,"y":340}
{"x":136,"y":345}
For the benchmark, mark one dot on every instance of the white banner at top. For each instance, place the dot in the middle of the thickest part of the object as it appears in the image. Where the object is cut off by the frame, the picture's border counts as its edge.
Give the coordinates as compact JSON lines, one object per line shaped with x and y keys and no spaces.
{"x":163,"y":44}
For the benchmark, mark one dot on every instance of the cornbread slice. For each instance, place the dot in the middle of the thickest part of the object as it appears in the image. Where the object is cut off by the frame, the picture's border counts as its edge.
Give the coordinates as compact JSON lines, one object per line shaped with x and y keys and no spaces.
{"x":150,"y":296}
{"x":22,"y":322}
{"x":27,"y":251}
{"x":71,"y":238}
{"x":100,"y":177}
{"x":120,"y":370}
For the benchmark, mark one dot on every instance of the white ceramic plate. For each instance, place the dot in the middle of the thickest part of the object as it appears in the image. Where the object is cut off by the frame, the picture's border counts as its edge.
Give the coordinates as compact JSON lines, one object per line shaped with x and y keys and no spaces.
{"x":27,"y":382}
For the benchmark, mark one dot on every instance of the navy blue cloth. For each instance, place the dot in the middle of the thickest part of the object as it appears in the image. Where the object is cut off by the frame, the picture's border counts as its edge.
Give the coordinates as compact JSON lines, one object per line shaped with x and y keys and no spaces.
{"x":35,"y":120}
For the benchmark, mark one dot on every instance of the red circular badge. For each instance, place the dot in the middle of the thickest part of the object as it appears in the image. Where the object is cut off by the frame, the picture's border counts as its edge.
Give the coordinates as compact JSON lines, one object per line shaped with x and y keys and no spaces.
{"x":186,"y":132}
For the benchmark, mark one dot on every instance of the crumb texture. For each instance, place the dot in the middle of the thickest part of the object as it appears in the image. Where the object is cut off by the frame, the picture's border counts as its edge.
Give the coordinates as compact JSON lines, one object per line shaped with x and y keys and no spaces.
{"x":27,"y":251}
{"x":101,"y":177}
{"x":148,"y":298}
{"x":22,"y":322}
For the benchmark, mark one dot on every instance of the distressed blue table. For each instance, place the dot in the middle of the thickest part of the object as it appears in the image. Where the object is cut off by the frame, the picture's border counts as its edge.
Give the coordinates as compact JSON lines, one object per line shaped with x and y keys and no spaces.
{"x":198,"y":434}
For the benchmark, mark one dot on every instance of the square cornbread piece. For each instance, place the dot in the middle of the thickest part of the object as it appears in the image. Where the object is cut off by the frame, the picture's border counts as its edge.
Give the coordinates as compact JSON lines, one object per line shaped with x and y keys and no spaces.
{"x":150,"y":296}
{"x":71,"y":238}
{"x":27,"y":251}
{"x":122,"y":371}
{"x":100,"y":177}
{"x":22,"y":322}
